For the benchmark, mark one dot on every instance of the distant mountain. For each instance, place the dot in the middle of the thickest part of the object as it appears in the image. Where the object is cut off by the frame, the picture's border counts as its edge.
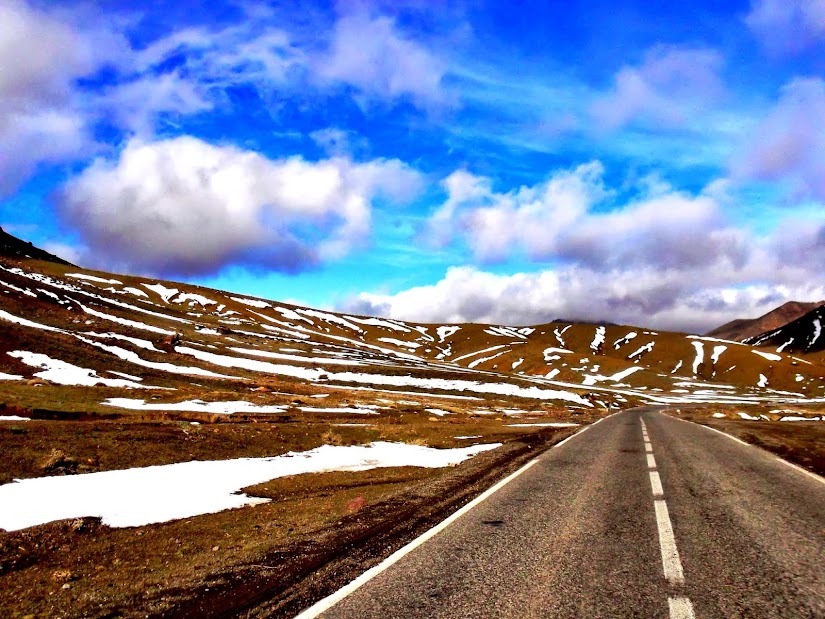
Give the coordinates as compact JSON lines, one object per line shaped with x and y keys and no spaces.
{"x":12,"y":247}
{"x":742,"y":329}
{"x":803,"y":335}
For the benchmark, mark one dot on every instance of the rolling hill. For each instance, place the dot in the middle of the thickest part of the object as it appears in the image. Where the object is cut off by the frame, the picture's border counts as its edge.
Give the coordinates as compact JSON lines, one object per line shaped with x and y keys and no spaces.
{"x":137,"y":343}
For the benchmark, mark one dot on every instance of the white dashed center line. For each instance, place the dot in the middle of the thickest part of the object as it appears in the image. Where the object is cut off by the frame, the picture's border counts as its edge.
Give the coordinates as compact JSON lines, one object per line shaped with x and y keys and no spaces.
{"x":680,"y":607}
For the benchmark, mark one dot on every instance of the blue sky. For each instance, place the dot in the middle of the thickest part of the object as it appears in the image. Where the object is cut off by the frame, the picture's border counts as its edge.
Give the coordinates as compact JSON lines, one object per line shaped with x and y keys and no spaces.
{"x":650,"y":163}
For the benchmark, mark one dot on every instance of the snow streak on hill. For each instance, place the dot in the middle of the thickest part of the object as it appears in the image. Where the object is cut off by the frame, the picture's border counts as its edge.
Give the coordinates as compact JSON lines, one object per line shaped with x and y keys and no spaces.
{"x":70,"y":327}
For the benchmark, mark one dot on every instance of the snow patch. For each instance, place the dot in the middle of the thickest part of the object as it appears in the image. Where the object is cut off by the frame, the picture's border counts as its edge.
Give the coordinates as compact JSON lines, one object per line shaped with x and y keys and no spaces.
{"x":92,"y":278}
{"x":62,"y":373}
{"x":149,"y":495}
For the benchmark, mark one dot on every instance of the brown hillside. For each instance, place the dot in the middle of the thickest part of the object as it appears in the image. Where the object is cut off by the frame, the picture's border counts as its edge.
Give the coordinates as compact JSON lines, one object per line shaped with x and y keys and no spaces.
{"x":743,"y":328}
{"x":12,"y":247}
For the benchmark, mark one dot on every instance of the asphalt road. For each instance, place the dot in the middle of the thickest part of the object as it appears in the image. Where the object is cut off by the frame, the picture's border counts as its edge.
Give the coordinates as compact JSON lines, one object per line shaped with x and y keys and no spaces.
{"x":680,"y":522}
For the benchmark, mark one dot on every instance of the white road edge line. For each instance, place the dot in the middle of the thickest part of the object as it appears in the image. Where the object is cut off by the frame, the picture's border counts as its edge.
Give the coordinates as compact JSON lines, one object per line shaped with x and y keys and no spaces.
{"x":810,"y":474}
{"x":331,"y":600}
{"x":680,"y":608}
{"x":671,"y":563}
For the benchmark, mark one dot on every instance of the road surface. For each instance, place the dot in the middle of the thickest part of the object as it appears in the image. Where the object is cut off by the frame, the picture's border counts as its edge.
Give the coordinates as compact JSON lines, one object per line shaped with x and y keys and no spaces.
{"x":641,"y":515}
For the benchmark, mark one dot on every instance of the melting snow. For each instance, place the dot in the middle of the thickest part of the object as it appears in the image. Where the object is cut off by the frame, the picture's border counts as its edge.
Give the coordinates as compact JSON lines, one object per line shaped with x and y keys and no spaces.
{"x":331,"y":318}
{"x":473,"y":364}
{"x":747,"y":417}
{"x":478,"y":352}
{"x":767,"y":355}
{"x":642,"y":350}
{"x":64,"y":373}
{"x":27,"y":323}
{"x":195,"y":406}
{"x":717,"y":350}
{"x":140,"y":496}
{"x":24,"y":291}
{"x":126,"y":322}
{"x":17,"y":418}
{"x":763,"y":381}
{"x":676,"y":369}
{"x":402,"y":343}
{"x":446,"y":331}
{"x":251,"y":302}
{"x":592,"y":379}
{"x":505,"y":332}
{"x":817,"y":332}
{"x":145,"y":344}
{"x":4,"y":376}
{"x":560,"y":335}
{"x":171,"y":368}
{"x":624,"y":340}
{"x":357,"y":410}
{"x":785,"y":345}
{"x":598,"y":339}
{"x":378,"y":322}
{"x":92,"y":278}
{"x":135,"y":291}
{"x":551,"y":424}
{"x":194,"y":298}
{"x":550,"y":353}
{"x":162,"y":291}
{"x":700,"y":356}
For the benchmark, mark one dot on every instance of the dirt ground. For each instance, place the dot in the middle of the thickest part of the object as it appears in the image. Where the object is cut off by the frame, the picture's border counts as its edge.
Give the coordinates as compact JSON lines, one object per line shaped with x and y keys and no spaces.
{"x":81,"y":568}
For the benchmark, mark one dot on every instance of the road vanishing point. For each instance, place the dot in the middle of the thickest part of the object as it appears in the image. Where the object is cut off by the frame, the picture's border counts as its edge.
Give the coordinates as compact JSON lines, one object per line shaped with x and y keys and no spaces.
{"x":639,"y":515}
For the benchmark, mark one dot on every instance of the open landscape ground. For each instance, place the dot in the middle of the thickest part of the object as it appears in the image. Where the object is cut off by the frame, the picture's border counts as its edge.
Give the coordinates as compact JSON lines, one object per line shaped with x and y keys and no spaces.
{"x":171,"y":450}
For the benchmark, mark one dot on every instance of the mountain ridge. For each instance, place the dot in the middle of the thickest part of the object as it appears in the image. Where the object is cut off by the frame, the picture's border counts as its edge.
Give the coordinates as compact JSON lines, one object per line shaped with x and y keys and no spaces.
{"x":13,"y":247}
{"x":742,"y":329}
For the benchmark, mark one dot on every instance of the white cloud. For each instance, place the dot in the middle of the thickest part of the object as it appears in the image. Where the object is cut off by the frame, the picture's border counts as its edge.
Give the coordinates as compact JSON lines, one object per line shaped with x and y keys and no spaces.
{"x":661,"y":257}
{"x":570,"y":217}
{"x":644,"y":297}
{"x":787,"y":26}
{"x":185,"y":206}
{"x":789,"y":142}
{"x":41,"y":56}
{"x":670,"y":87}
{"x":371,"y":54}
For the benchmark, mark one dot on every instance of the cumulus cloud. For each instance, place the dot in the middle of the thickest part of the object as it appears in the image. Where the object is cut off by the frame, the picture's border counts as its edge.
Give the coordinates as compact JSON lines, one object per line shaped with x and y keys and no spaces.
{"x":789,"y":142}
{"x":570,"y":217}
{"x":39,"y":119}
{"x":647,"y":254}
{"x":670,"y":86}
{"x":787,"y":26}
{"x":648,"y":297}
{"x":183,"y":206}
{"x":374,"y":56}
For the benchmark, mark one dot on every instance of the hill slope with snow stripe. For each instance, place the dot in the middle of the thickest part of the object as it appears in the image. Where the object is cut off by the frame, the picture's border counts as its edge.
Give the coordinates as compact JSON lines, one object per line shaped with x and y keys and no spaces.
{"x":124,"y":332}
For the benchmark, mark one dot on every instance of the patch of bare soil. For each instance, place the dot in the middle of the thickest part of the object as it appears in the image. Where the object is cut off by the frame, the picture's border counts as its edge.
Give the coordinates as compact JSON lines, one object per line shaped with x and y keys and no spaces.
{"x":800,"y":442}
{"x":318,"y":532}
